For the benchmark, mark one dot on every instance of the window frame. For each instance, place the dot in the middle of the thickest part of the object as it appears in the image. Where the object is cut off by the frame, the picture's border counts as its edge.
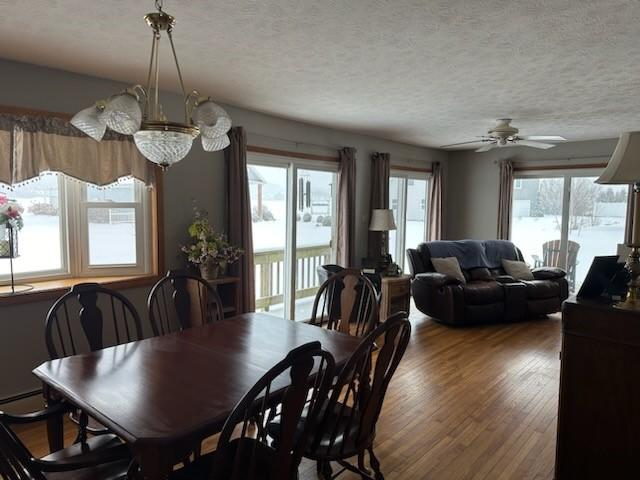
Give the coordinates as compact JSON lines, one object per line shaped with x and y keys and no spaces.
{"x":74,"y":235}
{"x":566,"y":174}
{"x":405,"y":175}
{"x":292,"y":164}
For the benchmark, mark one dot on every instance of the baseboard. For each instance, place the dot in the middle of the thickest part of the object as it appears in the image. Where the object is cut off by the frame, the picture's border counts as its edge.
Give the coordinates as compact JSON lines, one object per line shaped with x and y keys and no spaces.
{"x":23,"y":402}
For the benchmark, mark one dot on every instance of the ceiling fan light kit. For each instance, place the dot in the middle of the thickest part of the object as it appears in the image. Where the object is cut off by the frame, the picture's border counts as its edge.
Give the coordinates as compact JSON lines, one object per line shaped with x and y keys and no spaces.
{"x":506,"y":135}
{"x":137,"y":111}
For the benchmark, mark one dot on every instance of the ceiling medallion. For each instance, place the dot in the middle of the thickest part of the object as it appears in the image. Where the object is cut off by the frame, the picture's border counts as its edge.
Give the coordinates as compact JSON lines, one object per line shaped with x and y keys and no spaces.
{"x":137,"y":111}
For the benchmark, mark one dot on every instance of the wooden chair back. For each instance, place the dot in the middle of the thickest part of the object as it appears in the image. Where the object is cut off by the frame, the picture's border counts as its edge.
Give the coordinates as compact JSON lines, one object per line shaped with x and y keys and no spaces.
{"x":347,"y":302}
{"x":15,"y":459}
{"x":551,"y":253}
{"x":347,"y":426}
{"x":308,"y":371}
{"x":90,"y":317}
{"x":181,"y":300}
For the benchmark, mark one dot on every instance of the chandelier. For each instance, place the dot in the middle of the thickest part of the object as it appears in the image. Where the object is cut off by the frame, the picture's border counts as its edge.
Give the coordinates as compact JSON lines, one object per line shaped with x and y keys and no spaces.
{"x":137,"y":111}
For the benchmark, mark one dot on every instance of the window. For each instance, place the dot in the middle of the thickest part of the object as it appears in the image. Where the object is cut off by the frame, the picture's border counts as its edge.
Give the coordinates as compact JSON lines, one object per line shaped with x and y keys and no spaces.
{"x":408,"y":198}
{"x":293,"y":212}
{"x":72,"y":229}
{"x":565,"y":219}
{"x":517,"y":184}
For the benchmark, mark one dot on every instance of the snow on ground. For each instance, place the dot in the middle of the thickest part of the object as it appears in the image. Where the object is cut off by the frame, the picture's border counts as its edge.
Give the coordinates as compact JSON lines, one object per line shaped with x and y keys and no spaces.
{"x":109,"y":244}
{"x":529,"y":233}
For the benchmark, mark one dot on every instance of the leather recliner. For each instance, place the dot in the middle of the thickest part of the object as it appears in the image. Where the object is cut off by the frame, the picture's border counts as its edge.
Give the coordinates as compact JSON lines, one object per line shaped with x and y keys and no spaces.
{"x":489,"y":294}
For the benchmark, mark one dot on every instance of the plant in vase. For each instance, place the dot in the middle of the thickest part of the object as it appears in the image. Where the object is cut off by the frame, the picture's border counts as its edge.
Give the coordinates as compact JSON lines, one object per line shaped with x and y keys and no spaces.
{"x":10,"y":222}
{"x":209,"y":251}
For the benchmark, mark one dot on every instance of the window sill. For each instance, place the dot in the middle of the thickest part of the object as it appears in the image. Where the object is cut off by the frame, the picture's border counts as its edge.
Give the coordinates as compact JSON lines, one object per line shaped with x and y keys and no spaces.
{"x":53,"y":289}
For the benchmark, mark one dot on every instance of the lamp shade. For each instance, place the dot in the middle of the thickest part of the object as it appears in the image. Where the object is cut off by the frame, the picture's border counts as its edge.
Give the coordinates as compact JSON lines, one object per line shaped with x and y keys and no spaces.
{"x":382,"y":220}
{"x":624,"y":165}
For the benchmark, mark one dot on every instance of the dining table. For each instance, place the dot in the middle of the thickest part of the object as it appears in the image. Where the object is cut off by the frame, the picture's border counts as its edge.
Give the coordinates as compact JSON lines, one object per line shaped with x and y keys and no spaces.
{"x":163,"y":395}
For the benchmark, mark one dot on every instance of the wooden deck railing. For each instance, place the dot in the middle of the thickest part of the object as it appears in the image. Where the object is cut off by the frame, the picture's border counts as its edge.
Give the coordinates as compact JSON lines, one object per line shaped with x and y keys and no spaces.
{"x":269,"y":272}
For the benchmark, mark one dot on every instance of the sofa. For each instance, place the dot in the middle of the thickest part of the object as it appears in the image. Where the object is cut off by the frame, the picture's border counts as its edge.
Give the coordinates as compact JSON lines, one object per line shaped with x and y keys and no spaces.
{"x":489,"y":294}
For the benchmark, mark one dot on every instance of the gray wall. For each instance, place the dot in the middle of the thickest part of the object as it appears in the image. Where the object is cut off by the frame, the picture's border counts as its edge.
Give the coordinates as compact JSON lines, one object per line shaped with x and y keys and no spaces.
{"x":199,"y":177}
{"x":471,"y":191}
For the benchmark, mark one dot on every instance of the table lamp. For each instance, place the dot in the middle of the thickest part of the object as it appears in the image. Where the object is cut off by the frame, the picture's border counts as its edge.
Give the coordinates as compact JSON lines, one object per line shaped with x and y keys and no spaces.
{"x":382,"y":221}
{"x":624,"y":168}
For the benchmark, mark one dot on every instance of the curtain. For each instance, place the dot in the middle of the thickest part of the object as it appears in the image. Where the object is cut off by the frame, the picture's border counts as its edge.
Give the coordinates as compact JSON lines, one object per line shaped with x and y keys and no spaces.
{"x":47,"y":144}
{"x":505,"y":197}
{"x":631,"y":208}
{"x":239,"y":215}
{"x":435,"y":203}
{"x":346,"y":211}
{"x":380,"y":165}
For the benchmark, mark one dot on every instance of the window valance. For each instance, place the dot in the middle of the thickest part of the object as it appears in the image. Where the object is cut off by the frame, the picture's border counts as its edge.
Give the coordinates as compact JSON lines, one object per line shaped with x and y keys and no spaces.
{"x":30,"y":146}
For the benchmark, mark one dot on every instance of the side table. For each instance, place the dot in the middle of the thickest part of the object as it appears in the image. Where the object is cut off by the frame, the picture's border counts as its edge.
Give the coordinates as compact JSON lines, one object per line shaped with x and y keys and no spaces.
{"x":395,"y":295}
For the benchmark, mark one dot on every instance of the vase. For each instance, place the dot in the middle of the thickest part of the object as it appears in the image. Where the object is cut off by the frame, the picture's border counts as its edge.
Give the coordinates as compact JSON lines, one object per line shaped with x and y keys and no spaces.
{"x":209,"y":270}
{"x":8,"y":242}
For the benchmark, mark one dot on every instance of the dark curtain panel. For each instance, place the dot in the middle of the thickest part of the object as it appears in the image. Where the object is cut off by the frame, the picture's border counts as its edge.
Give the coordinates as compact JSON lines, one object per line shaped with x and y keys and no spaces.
{"x":435,"y":203}
{"x":239,"y":215}
{"x":505,"y":197}
{"x":380,"y":165}
{"x":346,"y":211}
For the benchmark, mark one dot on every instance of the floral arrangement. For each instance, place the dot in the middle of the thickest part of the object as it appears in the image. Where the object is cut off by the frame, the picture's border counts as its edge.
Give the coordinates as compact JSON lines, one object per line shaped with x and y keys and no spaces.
{"x":10,"y":213}
{"x":208,"y":250}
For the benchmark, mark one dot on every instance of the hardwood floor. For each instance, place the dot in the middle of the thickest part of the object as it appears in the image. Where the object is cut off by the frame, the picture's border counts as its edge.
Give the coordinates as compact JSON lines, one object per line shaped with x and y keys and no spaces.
{"x":473,"y":403}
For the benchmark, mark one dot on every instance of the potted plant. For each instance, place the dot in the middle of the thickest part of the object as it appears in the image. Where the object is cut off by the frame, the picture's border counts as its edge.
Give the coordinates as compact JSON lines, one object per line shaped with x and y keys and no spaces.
{"x":10,"y":222}
{"x":209,"y":251}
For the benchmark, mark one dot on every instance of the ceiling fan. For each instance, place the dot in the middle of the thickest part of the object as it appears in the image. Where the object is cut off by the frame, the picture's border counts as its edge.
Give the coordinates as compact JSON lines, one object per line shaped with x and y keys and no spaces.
{"x":505,"y":135}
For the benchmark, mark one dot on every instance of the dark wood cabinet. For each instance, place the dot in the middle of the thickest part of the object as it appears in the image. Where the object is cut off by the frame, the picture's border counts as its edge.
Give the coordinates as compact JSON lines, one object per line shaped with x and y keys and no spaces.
{"x":599,"y":408}
{"x":229,"y":290}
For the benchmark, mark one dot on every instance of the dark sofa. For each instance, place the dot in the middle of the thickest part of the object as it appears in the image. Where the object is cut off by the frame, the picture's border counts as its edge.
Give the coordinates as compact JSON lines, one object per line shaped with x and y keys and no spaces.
{"x":489,"y":294}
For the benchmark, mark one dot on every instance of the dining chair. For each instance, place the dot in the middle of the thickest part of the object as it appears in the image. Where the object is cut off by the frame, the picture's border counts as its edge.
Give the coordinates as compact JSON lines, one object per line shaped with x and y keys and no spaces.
{"x":346,"y":302}
{"x":181,"y":300}
{"x":347,"y":426}
{"x":245,"y":452}
{"x":108,"y":460}
{"x":87,"y":318}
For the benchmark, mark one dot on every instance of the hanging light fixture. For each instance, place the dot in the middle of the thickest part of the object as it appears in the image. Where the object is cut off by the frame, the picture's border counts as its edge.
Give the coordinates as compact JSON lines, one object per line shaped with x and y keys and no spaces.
{"x":137,"y":111}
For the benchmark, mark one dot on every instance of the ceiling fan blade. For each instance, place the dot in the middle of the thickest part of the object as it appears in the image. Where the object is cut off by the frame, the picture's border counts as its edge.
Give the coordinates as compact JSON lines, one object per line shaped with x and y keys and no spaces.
{"x":487,"y":147}
{"x":545,"y":138}
{"x":462,"y":143}
{"x":531,"y":143}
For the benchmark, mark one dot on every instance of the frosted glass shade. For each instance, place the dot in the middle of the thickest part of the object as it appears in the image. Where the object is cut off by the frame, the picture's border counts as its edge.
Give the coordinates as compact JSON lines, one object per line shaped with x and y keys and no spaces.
{"x":624,"y":165}
{"x":123,"y":114}
{"x":163,"y":147}
{"x":215,"y":144}
{"x":382,"y":220}
{"x":211,"y":118}
{"x":90,"y":122}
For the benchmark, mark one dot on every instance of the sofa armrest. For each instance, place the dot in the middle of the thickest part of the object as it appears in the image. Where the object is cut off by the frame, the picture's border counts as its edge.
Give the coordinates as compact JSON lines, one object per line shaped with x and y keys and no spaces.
{"x":506,"y":279}
{"x":548,"y":273}
{"x":436,"y":280}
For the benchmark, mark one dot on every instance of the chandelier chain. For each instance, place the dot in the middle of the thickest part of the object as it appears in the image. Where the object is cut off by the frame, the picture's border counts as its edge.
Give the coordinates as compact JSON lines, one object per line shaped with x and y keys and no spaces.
{"x":159,"y":5}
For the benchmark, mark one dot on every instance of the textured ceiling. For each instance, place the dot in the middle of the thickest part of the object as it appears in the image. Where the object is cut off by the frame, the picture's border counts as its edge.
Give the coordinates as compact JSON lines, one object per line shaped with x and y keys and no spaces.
{"x":420,"y":72}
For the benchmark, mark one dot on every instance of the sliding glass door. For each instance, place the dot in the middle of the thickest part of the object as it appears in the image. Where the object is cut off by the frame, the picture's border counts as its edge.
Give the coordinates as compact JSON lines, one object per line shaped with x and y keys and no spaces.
{"x":564,"y":220}
{"x":293,"y":208}
{"x":408,"y":197}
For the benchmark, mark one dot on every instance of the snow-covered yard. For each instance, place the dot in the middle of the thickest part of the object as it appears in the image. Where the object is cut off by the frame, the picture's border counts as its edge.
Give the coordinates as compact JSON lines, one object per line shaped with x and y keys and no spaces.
{"x":529,"y":233}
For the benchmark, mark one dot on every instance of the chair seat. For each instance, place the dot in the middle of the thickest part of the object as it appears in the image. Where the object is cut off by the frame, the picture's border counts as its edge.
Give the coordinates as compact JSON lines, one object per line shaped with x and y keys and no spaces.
{"x":109,"y":471}
{"x":482,"y":293}
{"x":324,"y":448}
{"x":202,"y":467}
{"x":542,"y":289}
{"x":94,"y":446}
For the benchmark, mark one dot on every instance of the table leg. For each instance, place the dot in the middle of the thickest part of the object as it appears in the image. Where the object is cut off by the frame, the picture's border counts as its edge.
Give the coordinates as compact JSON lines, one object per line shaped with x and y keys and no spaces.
{"x":154,"y":461}
{"x":55,"y":425}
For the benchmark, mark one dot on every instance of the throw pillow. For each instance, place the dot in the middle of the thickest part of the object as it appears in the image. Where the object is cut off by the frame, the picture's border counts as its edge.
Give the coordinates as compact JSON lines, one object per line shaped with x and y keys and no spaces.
{"x":449,"y":266}
{"x":518,"y":270}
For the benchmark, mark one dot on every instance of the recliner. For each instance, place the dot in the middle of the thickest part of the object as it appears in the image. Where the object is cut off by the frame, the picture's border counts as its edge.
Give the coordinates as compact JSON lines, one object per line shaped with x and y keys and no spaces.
{"x":489,"y":295}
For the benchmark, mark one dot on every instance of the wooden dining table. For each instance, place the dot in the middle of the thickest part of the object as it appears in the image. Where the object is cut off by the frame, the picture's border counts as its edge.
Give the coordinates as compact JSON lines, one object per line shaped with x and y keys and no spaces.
{"x":163,"y":395}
